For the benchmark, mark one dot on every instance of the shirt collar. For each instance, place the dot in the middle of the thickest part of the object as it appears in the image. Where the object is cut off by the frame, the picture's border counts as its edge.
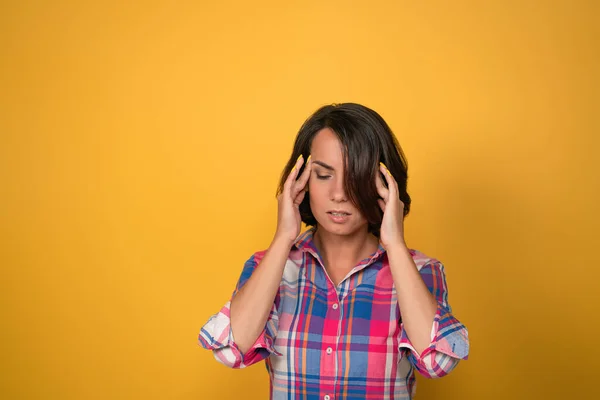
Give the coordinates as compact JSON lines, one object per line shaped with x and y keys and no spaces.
{"x":305,"y":242}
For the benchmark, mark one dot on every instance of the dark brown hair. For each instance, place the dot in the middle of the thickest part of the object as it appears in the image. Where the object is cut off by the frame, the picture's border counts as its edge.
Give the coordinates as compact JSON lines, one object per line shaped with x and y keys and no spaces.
{"x":367,"y":140}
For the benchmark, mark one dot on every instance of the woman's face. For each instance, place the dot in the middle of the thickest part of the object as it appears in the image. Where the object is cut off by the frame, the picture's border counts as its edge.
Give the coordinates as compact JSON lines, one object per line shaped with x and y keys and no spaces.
{"x":328,"y":200}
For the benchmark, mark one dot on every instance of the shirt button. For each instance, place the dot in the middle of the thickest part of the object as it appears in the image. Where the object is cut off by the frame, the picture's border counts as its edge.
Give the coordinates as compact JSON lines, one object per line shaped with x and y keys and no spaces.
{"x":327,"y":397}
{"x":329,"y":350}
{"x":335,"y":306}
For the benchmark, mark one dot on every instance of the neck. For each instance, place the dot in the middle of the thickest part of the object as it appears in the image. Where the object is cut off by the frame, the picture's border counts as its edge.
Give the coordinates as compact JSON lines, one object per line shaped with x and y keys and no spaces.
{"x":344,"y":251}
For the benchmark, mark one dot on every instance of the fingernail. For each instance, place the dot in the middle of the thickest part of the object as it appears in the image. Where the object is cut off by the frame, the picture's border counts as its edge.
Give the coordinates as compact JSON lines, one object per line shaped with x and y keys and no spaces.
{"x":386,"y":168}
{"x":299,"y":157}
{"x":308,"y":159}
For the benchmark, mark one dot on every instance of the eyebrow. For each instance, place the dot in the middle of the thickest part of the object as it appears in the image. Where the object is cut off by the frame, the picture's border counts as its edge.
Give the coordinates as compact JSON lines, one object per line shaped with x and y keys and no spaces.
{"x":322,"y":164}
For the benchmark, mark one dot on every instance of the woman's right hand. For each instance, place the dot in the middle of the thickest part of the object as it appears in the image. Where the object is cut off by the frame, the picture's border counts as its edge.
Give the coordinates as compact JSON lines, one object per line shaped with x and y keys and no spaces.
{"x":288,"y":212}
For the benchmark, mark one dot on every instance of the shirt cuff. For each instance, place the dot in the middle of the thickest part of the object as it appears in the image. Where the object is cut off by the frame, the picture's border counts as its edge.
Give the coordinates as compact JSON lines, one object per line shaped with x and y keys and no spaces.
{"x":217,"y":335}
{"x":449,"y":344}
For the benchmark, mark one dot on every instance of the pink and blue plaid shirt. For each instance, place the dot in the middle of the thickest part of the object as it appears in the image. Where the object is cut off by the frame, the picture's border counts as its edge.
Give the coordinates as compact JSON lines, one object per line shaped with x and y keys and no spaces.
{"x":346,"y":342}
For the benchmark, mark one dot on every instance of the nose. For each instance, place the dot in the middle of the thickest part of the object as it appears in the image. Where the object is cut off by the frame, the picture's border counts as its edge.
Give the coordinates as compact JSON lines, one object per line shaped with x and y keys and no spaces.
{"x":338,"y":190}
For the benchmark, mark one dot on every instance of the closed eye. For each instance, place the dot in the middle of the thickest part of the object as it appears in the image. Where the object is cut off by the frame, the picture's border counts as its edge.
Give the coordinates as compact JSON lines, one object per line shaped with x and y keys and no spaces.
{"x":323,"y":177}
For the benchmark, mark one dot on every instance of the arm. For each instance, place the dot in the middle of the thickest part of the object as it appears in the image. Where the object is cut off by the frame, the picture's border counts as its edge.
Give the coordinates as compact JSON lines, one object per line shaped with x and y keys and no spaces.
{"x":418,"y":306}
{"x":217,"y":335}
{"x":252,"y":313}
{"x":251,"y":306}
{"x":437,"y":340}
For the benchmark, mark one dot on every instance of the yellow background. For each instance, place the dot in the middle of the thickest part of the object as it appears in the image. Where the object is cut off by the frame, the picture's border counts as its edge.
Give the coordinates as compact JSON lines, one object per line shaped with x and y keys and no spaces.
{"x":141,"y":145}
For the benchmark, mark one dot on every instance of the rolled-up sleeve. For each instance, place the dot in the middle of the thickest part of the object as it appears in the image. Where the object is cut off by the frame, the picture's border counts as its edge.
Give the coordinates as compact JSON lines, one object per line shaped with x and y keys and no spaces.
{"x":449,"y":337}
{"x":216,"y":334}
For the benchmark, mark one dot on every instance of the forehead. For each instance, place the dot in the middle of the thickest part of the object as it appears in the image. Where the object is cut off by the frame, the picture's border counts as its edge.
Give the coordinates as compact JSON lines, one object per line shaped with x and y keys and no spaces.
{"x":327,"y":147}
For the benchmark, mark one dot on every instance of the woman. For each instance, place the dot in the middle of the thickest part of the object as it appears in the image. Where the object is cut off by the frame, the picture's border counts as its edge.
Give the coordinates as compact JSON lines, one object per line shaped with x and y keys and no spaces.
{"x":345,"y":310}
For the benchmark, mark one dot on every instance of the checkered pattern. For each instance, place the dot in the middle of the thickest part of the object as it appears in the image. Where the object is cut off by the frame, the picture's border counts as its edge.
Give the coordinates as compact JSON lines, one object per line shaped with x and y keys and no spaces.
{"x":345,"y":342}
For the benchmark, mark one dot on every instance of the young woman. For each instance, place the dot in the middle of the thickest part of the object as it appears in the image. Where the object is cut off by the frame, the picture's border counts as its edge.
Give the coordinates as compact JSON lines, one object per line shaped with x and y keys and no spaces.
{"x":344,"y":310}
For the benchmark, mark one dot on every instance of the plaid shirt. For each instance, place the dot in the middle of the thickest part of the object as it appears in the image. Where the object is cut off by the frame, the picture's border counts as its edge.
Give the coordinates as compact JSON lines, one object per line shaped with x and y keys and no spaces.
{"x":345,"y":342}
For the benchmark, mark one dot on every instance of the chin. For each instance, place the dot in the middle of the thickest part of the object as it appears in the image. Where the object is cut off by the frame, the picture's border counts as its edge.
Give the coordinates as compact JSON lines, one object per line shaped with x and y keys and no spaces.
{"x":339,"y":229}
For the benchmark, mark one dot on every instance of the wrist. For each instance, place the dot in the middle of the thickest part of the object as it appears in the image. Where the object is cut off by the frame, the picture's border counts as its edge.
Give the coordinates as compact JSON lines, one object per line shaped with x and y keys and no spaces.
{"x":397,"y":247}
{"x":282,"y":240}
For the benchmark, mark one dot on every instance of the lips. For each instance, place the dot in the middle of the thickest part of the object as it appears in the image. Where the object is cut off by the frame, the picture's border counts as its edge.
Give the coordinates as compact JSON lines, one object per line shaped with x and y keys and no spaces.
{"x":339,"y":216}
{"x":338,"y":213}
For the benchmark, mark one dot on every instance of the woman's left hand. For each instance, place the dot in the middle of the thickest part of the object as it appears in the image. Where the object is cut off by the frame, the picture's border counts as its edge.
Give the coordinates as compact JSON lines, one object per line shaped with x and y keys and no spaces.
{"x":392,"y":224}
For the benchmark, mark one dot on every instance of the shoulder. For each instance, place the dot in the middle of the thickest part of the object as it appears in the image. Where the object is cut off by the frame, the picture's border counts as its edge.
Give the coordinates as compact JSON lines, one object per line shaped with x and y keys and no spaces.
{"x":258,"y":256}
{"x":294,"y":255}
{"x":421,"y":260}
{"x":293,"y":265}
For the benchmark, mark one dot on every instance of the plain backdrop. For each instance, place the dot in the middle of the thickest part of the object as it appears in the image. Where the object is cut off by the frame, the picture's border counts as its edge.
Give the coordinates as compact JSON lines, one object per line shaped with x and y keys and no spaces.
{"x":141,"y":144}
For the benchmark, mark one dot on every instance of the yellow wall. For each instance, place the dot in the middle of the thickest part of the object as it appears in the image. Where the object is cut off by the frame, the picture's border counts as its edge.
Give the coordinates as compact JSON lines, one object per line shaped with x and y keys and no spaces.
{"x":140,"y":147}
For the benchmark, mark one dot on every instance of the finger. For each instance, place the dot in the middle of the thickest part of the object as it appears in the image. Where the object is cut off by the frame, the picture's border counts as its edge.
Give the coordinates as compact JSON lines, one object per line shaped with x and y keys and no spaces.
{"x":389,"y":179}
{"x":381,"y":189}
{"x":298,"y":199}
{"x":301,"y":182}
{"x":293,"y":174}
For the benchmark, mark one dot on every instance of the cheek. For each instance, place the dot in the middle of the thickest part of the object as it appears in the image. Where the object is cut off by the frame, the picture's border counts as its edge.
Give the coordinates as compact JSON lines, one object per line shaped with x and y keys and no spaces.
{"x":316,"y":192}
{"x":313,"y":187}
